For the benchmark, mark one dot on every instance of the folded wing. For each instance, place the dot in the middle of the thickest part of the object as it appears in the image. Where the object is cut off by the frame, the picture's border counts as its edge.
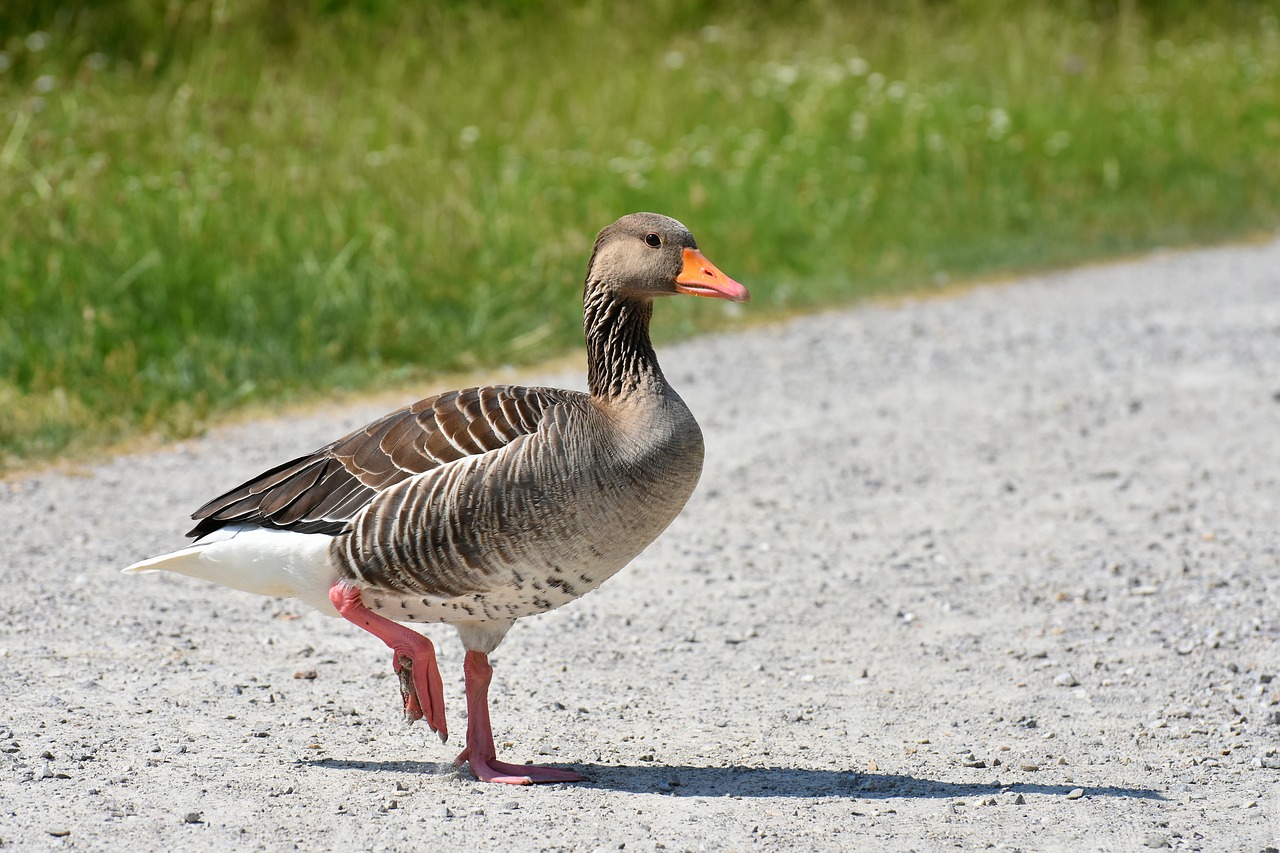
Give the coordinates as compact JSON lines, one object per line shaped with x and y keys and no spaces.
{"x":322,"y":491}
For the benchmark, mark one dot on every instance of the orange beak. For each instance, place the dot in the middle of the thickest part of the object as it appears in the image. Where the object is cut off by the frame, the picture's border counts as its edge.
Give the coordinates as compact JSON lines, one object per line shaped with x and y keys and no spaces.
{"x":701,"y":278}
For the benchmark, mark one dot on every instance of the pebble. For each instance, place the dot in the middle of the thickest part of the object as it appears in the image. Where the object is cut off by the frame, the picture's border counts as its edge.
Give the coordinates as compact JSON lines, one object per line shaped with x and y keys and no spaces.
{"x":1066,"y":679}
{"x":192,"y":817}
{"x":1155,"y":839}
{"x":1075,"y":793}
{"x":1019,"y":800}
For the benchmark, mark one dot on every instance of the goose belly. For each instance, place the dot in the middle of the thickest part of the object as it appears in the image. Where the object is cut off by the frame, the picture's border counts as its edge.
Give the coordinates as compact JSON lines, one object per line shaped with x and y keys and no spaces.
{"x":524,"y":596}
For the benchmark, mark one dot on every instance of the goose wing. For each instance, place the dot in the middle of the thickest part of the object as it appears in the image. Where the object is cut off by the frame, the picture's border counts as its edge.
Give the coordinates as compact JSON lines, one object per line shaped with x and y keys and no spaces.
{"x":322,"y":491}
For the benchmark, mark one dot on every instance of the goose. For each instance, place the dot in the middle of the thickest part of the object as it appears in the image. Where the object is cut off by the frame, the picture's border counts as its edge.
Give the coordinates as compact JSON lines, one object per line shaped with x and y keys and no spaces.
{"x":481,"y":506}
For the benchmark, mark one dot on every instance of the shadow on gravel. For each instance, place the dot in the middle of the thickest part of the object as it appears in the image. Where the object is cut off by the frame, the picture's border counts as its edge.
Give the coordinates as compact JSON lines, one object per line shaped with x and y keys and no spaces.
{"x":686,"y":781}
{"x":791,"y":782}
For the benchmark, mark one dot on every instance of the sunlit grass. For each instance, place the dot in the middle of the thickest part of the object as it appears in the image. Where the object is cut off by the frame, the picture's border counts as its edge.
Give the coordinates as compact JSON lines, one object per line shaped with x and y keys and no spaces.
{"x":375,"y":199}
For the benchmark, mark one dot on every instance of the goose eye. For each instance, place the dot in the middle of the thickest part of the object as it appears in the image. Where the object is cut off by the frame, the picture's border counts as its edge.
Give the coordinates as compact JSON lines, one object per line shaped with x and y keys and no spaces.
{"x":652,"y":240}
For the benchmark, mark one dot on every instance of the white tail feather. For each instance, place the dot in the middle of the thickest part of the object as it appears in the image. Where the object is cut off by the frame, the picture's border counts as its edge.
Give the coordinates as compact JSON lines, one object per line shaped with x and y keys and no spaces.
{"x":259,"y":560}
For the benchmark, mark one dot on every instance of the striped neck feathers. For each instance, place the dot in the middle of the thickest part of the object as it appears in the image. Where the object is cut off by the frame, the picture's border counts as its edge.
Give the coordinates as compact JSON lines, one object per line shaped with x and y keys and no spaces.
{"x":620,"y":357}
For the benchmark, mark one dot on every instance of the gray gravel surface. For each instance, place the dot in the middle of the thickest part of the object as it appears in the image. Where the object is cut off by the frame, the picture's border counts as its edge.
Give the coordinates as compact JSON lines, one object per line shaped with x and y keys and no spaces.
{"x":998,"y":569}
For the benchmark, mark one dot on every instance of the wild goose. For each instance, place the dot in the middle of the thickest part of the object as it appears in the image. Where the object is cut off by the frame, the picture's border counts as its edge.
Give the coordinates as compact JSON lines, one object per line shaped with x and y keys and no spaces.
{"x":480,"y":506}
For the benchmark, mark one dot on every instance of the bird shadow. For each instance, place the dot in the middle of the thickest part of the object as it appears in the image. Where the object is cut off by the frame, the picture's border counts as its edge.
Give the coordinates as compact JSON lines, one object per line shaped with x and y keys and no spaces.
{"x":691,"y":781}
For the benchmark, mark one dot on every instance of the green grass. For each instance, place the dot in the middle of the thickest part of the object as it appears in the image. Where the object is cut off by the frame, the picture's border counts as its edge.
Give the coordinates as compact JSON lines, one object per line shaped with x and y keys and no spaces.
{"x":232,"y":203}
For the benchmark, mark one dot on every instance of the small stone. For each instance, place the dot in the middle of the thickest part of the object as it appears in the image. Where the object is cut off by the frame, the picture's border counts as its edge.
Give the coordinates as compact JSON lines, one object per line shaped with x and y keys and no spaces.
{"x":308,"y":674}
{"x":1155,"y":839}
{"x":1066,"y":679}
{"x":1030,"y":768}
{"x":58,"y":831}
{"x":872,"y":767}
{"x":1075,"y":793}
{"x":192,"y":817}
{"x":511,"y":805}
{"x":1019,"y":800}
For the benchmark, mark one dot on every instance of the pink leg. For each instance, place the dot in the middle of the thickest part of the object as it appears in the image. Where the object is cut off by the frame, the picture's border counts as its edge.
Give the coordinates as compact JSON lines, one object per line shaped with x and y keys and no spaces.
{"x":480,"y":751}
{"x":413,"y":658}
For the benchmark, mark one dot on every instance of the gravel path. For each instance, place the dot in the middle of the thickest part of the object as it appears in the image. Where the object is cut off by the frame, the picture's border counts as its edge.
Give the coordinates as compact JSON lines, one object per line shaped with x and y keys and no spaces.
{"x":994,"y":570}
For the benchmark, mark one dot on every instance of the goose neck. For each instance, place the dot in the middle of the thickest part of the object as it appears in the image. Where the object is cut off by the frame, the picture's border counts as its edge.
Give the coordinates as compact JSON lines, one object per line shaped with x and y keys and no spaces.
{"x":620,"y":356}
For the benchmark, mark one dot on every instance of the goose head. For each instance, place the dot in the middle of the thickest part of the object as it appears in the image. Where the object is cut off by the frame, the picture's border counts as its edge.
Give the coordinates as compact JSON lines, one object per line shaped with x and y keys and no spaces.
{"x":646,"y":255}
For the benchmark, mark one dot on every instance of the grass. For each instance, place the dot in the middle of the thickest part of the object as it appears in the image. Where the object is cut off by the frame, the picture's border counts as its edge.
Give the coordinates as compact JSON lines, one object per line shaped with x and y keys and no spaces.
{"x":230,"y":203}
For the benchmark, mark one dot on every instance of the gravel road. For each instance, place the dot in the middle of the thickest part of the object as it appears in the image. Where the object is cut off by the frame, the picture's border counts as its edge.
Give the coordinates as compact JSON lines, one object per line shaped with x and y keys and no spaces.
{"x":998,"y":569}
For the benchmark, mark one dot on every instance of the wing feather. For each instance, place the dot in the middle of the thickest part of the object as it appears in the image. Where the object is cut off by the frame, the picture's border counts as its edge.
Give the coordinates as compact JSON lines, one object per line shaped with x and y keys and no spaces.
{"x":322,"y":491}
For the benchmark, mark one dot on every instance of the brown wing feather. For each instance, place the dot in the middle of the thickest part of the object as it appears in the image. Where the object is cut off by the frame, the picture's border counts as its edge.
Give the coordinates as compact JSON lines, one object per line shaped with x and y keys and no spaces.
{"x":322,"y":491}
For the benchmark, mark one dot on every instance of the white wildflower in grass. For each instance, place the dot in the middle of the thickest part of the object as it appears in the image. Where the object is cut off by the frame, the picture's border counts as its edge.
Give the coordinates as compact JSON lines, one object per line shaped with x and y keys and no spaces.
{"x":468,"y":136}
{"x":674,"y":59}
{"x":857,"y":66}
{"x":1057,"y":143}
{"x":897,"y":91}
{"x":857,"y":126}
{"x":997,"y":124}
{"x":786,"y":75}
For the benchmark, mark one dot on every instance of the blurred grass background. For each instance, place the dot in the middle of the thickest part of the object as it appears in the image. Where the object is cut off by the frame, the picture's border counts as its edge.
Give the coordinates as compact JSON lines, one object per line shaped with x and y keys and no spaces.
{"x":217,"y":202}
